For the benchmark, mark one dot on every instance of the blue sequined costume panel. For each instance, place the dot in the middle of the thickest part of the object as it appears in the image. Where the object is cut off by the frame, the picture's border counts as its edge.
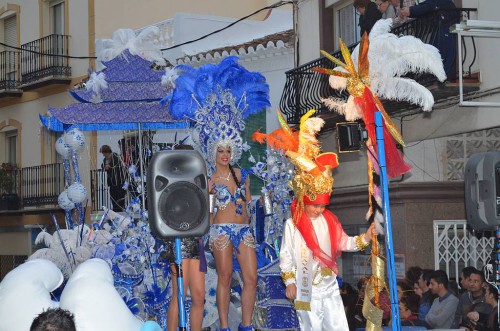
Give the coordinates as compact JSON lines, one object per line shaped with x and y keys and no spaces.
{"x":224,"y":233}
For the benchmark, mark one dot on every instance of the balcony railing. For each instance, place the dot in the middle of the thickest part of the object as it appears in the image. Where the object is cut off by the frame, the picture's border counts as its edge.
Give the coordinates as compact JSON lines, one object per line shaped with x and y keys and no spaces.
{"x":41,"y":185}
{"x":9,"y":70}
{"x":99,"y":189}
{"x":45,"y":58}
{"x":305,"y":88}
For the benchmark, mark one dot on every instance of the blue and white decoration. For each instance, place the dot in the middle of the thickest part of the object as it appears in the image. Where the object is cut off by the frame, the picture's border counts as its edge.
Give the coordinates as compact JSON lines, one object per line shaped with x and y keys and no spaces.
{"x":115,"y":264}
{"x":218,"y":98}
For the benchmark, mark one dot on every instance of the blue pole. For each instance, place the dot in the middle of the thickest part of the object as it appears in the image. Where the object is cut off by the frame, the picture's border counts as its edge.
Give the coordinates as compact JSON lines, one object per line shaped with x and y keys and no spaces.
{"x":180,"y":285}
{"x":391,"y":271}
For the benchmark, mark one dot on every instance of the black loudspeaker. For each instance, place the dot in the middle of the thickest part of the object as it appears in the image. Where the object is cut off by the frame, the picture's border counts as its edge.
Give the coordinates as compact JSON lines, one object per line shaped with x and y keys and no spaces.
{"x":482,"y":191}
{"x":350,"y":136}
{"x":178,"y":194}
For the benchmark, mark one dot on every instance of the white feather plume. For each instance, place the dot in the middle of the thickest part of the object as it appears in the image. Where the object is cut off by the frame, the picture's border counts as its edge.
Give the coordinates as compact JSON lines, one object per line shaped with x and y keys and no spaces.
{"x":145,"y":44}
{"x":336,"y":82}
{"x":390,"y":58}
{"x":168,"y":79}
{"x":96,"y":83}
{"x":348,"y":109}
{"x":44,"y":238}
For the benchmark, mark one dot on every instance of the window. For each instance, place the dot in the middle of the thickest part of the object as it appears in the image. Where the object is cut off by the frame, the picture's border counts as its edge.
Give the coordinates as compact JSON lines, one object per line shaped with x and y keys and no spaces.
{"x":11,"y":146}
{"x":57,"y":29}
{"x":57,"y":17}
{"x":348,"y":20}
{"x":8,"y":69}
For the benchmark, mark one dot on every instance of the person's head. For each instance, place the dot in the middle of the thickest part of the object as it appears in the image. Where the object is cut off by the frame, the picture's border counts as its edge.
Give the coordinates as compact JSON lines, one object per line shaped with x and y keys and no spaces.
{"x":360,"y":5}
{"x":476,"y":280}
{"x":413,"y":274}
{"x":54,"y":319}
{"x":464,"y":277}
{"x":439,"y":283}
{"x":417,"y":290}
{"x":314,"y":208}
{"x":425,"y":278}
{"x":361,"y":285}
{"x":408,"y":306}
{"x":404,"y":288}
{"x":395,"y":3}
{"x":347,"y":289}
{"x":223,"y":156}
{"x":105,"y":150}
{"x":491,"y":295}
{"x":382,"y":5}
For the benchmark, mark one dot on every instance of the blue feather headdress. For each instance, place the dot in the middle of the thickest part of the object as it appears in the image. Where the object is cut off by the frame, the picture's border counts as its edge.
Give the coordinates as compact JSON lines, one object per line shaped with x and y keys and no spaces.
{"x":219,"y":98}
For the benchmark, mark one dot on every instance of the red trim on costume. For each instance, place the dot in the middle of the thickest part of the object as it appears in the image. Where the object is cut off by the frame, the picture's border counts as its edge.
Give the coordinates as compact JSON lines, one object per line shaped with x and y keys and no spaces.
{"x":306,"y":229}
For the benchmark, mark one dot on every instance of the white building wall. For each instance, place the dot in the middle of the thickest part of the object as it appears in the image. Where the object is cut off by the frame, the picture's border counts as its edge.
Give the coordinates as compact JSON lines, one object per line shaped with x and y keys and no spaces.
{"x":308,"y":31}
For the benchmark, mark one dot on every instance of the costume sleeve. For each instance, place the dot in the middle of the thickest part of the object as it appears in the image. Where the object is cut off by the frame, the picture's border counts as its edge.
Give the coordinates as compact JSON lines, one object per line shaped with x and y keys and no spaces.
{"x":287,"y":254}
{"x":348,"y":244}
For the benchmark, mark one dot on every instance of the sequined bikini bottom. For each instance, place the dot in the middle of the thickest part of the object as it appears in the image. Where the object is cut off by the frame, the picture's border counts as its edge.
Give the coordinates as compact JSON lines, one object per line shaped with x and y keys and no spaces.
{"x":223,"y":233}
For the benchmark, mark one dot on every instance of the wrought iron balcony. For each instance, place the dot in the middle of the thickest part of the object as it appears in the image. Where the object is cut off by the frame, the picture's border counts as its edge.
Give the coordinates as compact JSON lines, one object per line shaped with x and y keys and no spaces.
{"x":44,"y":61}
{"x":41,"y":185}
{"x":305,"y":88}
{"x":9,"y":73}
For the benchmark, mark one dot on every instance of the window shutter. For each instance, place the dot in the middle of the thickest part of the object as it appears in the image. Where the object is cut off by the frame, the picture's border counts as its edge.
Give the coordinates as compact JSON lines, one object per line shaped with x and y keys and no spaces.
{"x":10,"y":31}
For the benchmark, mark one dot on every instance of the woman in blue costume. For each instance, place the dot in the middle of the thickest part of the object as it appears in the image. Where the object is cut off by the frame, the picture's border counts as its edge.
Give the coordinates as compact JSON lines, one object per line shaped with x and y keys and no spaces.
{"x":218,"y":98}
{"x":230,"y":232}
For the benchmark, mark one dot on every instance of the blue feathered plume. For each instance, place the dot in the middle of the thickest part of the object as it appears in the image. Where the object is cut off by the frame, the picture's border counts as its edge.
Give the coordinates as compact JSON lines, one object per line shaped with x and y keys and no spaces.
{"x":193,"y":85}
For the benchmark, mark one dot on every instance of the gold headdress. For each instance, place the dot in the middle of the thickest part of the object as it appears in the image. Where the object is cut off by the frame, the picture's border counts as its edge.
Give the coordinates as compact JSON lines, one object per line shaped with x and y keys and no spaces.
{"x":312,"y":169}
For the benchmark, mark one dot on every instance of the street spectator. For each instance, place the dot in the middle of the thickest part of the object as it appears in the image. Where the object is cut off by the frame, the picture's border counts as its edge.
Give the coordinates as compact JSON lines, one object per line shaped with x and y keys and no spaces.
{"x":464,"y":278}
{"x":443,"y":308}
{"x":349,"y":298}
{"x":54,"y":319}
{"x":472,"y":300}
{"x":408,"y":310}
{"x":427,"y":296}
{"x":404,"y":289}
{"x":413,"y":274}
{"x":487,"y":322}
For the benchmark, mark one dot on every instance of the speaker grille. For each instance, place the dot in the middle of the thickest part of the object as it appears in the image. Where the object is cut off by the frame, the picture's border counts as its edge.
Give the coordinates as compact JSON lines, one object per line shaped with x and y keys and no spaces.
{"x":182,"y":206}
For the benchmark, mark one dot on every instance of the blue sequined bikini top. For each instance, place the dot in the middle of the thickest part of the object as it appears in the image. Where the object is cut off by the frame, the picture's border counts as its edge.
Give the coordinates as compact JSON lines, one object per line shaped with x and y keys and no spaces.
{"x":223,"y":196}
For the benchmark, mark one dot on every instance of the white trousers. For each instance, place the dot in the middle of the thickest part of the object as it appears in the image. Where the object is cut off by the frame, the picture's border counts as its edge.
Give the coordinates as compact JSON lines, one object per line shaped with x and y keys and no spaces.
{"x":327,"y":309}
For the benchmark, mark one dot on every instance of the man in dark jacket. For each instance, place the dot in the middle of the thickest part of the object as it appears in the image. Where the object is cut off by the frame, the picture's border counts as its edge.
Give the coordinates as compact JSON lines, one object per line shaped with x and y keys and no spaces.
{"x":116,"y":176}
{"x":443,"y":40}
{"x":369,"y":14}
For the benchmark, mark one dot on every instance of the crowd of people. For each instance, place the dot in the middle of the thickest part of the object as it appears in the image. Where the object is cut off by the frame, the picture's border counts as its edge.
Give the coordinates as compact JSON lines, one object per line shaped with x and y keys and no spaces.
{"x":401,"y":11}
{"x":428,"y":298}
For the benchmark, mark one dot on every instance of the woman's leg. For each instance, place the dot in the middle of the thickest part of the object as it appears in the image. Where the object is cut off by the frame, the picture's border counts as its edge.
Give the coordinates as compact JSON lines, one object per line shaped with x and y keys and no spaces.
{"x":196,"y":283}
{"x":224,"y":265}
{"x":248,"y":264}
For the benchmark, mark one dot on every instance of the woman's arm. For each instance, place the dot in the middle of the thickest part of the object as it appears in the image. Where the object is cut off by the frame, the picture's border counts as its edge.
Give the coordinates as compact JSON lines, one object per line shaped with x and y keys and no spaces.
{"x":248,"y":196}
